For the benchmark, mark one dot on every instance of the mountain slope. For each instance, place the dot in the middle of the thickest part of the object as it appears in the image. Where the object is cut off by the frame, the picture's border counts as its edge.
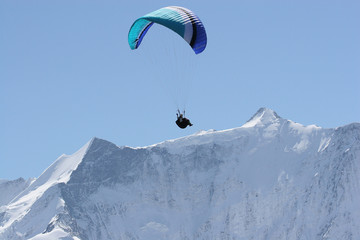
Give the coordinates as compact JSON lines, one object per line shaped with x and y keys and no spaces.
{"x":269,"y":179}
{"x":10,"y":189}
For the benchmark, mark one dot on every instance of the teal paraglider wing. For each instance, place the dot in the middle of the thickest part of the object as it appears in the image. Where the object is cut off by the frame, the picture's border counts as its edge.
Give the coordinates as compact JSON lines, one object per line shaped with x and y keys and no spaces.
{"x":181,"y":20}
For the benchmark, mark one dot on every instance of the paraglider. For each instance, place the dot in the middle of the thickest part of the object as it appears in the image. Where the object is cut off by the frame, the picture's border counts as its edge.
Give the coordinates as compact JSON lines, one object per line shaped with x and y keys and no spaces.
{"x":181,"y":120}
{"x":178,"y":19}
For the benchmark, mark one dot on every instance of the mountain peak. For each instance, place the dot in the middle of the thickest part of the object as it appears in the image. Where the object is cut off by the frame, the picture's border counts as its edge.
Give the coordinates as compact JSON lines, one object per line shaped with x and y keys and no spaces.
{"x":107,"y":192}
{"x":263,"y":116}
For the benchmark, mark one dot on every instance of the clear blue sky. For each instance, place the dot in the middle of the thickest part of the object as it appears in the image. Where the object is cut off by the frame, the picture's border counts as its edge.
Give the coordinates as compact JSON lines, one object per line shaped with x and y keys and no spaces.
{"x":67,"y":73}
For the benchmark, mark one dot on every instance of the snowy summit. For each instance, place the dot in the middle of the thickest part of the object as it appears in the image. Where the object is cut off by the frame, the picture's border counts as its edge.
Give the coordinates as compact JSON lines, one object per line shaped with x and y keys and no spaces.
{"x":262,"y":117}
{"x":271,"y":178}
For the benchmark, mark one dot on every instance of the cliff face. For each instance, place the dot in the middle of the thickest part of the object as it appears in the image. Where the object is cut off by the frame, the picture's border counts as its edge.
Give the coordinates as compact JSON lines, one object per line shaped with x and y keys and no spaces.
{"x":269,"y":179}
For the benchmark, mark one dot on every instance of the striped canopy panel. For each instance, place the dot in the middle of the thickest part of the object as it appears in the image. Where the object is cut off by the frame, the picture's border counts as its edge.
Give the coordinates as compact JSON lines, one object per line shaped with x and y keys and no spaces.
{"x":181,"y":20}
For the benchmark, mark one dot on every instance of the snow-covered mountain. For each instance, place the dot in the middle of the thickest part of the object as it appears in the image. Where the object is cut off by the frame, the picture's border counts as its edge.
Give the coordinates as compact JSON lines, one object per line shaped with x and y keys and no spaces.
{"x":271,"y":178}
{"x":10,"y":189}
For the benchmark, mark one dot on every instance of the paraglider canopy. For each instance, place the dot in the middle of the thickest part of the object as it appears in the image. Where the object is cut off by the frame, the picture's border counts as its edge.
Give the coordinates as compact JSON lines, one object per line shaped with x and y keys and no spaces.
{"x":181,"y":20}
